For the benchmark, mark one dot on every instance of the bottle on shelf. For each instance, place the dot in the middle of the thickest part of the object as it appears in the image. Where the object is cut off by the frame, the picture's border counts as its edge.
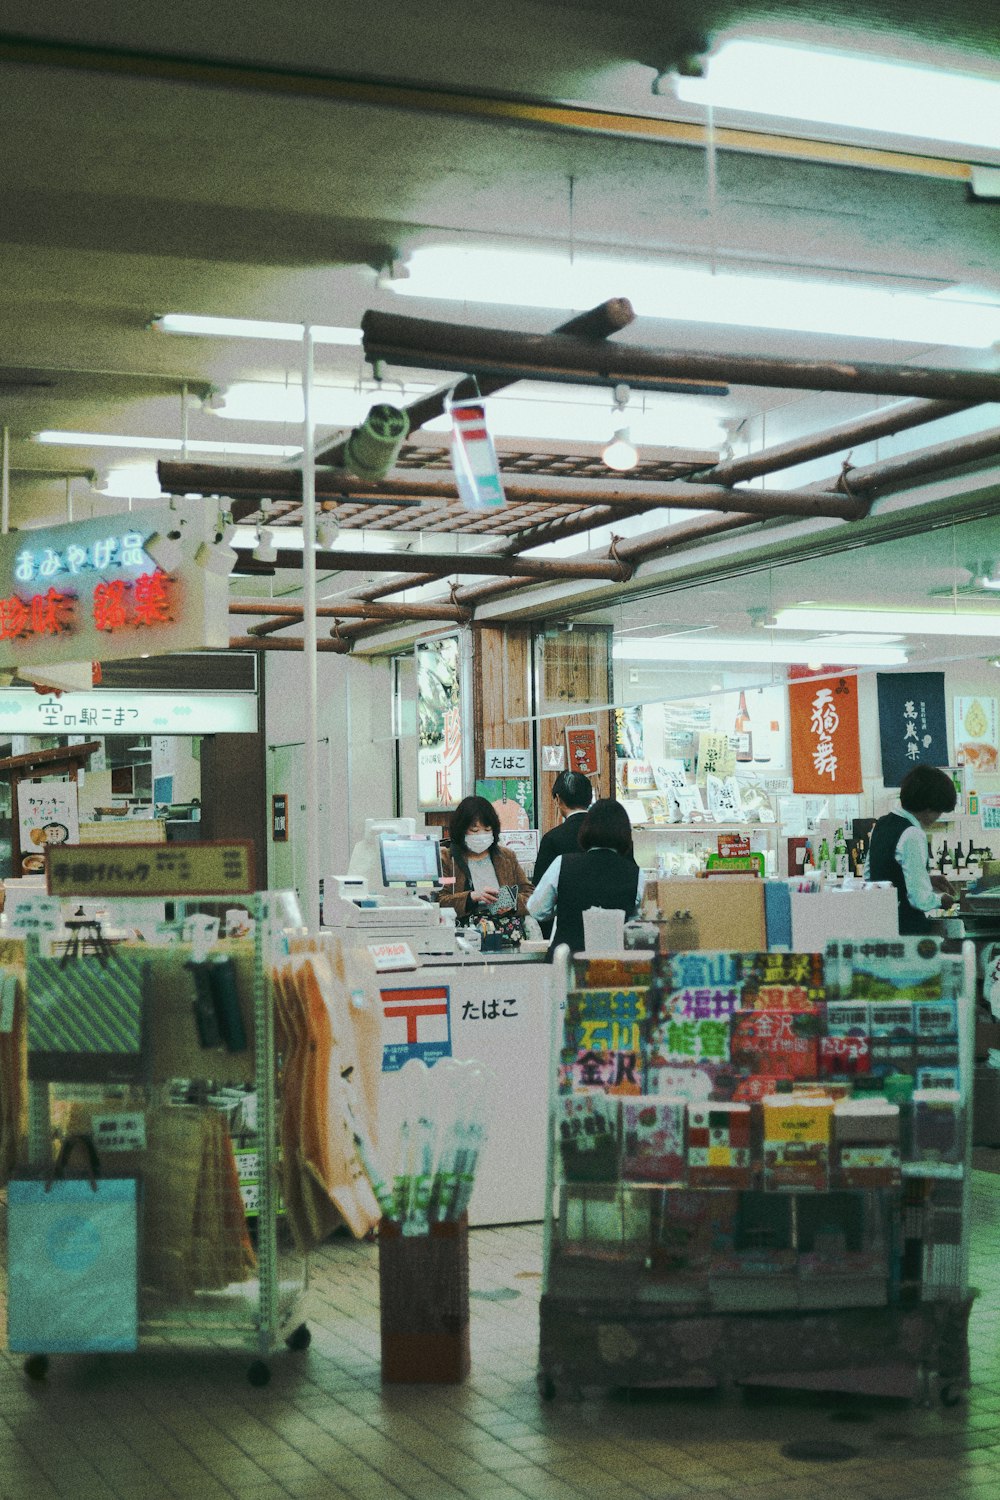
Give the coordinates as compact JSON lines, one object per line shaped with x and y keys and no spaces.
{"x":823,"y":858}
{"x":743,"y":732}
{"x":841,"y":864}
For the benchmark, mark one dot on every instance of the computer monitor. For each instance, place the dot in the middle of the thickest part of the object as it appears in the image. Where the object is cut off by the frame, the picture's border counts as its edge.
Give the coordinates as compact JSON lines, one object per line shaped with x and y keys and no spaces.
{"x":411,"y":860}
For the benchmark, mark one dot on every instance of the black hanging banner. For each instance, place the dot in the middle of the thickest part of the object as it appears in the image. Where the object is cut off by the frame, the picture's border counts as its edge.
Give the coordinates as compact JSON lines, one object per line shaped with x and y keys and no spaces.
{"x":913,"y":722}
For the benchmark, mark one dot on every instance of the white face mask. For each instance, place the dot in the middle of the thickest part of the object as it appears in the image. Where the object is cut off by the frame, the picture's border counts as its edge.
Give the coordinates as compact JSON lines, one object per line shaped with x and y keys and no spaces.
{"x":478,"y":843}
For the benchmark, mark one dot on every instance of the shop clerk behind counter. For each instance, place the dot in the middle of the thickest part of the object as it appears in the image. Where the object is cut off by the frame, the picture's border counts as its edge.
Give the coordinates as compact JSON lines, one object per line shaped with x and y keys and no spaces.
{"x":604,"y":873}
{"x":481,"y":866}
{"x":898,"y":848}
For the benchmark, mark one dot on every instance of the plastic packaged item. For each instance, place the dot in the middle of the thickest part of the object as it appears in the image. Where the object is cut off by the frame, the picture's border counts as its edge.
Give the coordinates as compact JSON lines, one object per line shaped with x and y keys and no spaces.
{"x":222,"y":978}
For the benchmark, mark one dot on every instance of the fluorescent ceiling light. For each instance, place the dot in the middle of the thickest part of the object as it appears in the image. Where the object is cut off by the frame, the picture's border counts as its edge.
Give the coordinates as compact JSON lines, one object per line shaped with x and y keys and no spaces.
{"x":251,"y":328}
{"x":333,"y":406}
{"x":840,"y":88}
{"x":829,"y":652}
{"x":899,"y":621}
{"x":162,"y":445}
{"x":692,"y":294}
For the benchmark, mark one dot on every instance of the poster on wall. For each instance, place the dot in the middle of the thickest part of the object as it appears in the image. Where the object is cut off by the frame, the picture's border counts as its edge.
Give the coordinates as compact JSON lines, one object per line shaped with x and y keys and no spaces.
{"x":826,"y":748}
{"x":581,"y":749}
{"x":513,"y":800}
{"x":629,"y":739}
{"x":912,"y":722}
{"x":977,"y":743}
{"x":439,"y":723}
{"x":716,"y":755}
{"x":47,"y":813}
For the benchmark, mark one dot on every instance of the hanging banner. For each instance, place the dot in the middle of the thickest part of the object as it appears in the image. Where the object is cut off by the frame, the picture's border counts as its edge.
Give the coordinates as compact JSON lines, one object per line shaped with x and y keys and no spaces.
{"x":977,"y":740}
{"x":912,"y":722}
{"x":439,"y":724}
{"x":473,"y":458}
{"x":826,"y":749}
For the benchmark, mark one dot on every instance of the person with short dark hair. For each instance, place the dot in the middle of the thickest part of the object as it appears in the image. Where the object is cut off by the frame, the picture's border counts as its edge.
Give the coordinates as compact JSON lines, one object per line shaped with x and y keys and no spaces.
{"x":483,"y":869}
{"x":898,"y":848}
{"x":604,"y":873}
{"x":572,"y":794}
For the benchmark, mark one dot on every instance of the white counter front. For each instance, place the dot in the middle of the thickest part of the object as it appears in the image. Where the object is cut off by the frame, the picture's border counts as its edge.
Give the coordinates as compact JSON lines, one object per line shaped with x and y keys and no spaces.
{"x":498,"y":1014}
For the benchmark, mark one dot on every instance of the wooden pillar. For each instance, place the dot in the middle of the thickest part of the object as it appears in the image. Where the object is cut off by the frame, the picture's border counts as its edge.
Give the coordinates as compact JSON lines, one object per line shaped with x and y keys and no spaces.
{"x":501,"y":690}
{"x":575,"y":687}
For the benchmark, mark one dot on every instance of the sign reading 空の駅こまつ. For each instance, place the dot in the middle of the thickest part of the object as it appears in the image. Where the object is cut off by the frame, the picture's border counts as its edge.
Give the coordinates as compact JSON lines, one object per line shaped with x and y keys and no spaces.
{"x":826,"y":750}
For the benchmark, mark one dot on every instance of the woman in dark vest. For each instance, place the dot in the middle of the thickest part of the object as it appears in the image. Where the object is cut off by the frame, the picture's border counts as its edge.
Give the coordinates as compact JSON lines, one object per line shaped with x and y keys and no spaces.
{"x":604,"y":873}
{"x":898,"y":848}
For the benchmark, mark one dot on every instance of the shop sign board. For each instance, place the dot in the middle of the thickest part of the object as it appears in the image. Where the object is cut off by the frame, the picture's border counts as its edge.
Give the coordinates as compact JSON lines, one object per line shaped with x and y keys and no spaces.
{"x":279,"y":818}
{"x":389,"y":956}
{"x":503,"y":762}
{"x":912,"y":722}
{"x":826,"y":746}
{"x":439,"y":723}
{"x":110,"y":712}
{"x":89,"y":590}
{"x":161,"y":870}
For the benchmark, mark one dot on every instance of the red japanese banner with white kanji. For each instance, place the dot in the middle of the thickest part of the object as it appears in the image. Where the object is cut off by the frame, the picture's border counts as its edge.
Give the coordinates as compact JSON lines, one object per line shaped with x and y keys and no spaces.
{"x":826,"y":747}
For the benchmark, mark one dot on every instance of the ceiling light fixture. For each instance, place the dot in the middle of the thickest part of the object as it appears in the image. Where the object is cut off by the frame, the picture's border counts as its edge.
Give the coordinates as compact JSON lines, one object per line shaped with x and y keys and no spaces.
{"x":896,"y":621}
{"x":860,"y":92}
{"x":265,"y":551}
{"x":620,"y":454}
{"x":251,"y":328}
{"x":680,"y":649}
{"x":990,"y":580}
{"x":327,"y":530}
{"x":688,"y":293}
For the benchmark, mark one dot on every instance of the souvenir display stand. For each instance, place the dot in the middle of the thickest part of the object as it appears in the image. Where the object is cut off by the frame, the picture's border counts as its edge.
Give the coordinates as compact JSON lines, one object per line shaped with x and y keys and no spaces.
{"x":758,"y":1165}
{"x":168,"y":1064}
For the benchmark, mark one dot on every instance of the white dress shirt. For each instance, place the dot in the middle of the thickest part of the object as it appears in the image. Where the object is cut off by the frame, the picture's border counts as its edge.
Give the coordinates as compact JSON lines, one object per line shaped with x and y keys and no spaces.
{"x":542,"y":901}
{"x":911,"y":856}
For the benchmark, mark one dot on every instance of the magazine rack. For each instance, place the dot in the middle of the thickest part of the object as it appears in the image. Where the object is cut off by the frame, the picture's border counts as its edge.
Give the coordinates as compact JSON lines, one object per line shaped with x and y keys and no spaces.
{"x":670,"y":1259}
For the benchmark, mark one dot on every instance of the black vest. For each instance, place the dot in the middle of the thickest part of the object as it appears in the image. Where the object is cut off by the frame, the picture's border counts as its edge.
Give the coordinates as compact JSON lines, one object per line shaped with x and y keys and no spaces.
{"x":598,"y":877}
{"x":883,"y":865}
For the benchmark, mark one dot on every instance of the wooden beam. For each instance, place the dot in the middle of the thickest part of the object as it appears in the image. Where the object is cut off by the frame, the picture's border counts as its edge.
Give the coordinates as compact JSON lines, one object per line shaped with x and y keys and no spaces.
{"x":435,"y":565}
{"x":419,"y":343}
{"x":251,"y":643}
{"x":593,"y":325}
{"x":352,"y":610}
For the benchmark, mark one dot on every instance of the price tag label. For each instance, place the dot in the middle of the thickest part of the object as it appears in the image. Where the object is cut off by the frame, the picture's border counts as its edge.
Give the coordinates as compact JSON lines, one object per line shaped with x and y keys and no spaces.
{"x":388,"y":956}
{"x":125,"y":1132}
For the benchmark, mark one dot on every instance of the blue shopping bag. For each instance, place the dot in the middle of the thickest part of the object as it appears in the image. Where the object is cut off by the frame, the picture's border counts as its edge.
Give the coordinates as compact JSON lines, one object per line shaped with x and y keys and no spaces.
{"x":72,"y":1272}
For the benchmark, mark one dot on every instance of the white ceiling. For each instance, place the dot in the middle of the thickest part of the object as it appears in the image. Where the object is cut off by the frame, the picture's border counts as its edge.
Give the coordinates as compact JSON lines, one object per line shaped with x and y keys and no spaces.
{"x":127,"y":195}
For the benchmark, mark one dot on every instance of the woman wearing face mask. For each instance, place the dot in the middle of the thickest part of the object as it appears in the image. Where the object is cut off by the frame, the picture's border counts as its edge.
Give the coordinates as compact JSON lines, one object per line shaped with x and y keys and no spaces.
{"x":481,"y":866}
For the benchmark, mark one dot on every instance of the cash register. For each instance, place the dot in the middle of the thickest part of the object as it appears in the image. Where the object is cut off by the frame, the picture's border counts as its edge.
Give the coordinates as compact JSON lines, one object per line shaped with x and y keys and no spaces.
{"x":397,"y":895}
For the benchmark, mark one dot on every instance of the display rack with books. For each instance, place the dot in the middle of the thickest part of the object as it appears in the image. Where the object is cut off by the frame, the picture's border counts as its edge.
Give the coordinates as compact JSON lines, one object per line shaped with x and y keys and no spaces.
{"x":767,"y":1139}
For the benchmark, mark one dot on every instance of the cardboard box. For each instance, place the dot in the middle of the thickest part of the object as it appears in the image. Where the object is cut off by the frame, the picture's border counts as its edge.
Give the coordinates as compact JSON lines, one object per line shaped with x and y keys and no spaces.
{"x":728,"y":910}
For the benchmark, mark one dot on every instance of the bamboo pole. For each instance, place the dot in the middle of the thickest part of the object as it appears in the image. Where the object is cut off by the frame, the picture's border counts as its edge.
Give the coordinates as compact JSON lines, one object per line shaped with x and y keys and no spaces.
{"x":421,"y":343}
{"x":251,"y":643}
{"x":441,"y":564}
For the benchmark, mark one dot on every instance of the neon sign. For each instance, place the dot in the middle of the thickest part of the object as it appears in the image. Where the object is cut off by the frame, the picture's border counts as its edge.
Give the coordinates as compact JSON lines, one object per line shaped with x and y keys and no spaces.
{"x":107,"y":552}
{"x":116,"y":605}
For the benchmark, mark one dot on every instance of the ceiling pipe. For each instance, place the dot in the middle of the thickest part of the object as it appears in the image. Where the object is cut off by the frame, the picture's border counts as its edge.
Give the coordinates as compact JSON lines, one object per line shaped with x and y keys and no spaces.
{"x":593,"y":325}
{"x":834,"y":440}
{"x":420,"y":343}
{"x":442,"y":563}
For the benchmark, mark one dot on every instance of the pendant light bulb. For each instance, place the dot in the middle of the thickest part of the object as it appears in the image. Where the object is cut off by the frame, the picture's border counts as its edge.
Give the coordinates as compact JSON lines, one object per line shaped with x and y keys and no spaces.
{"x":620,"y":453}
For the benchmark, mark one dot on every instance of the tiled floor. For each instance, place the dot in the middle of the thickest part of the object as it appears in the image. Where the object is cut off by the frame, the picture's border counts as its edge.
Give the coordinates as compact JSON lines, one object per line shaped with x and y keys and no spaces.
{"x":183,"y":1424}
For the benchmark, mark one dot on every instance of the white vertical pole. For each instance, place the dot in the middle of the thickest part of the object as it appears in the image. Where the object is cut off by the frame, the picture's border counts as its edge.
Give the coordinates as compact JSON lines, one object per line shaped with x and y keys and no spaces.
{"x":311,"y":902}
{"x":5,"y":483}
{"x":69,"y":497}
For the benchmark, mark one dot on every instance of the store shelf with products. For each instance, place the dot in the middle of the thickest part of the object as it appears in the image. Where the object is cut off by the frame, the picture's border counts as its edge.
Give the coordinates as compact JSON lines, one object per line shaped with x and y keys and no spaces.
{"x":161,"y":1053}
{"x":759,"y":1167}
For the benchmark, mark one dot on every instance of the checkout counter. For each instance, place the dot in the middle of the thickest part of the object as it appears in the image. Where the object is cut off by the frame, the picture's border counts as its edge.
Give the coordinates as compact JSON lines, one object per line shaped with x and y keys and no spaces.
{"x":448,"y":999}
